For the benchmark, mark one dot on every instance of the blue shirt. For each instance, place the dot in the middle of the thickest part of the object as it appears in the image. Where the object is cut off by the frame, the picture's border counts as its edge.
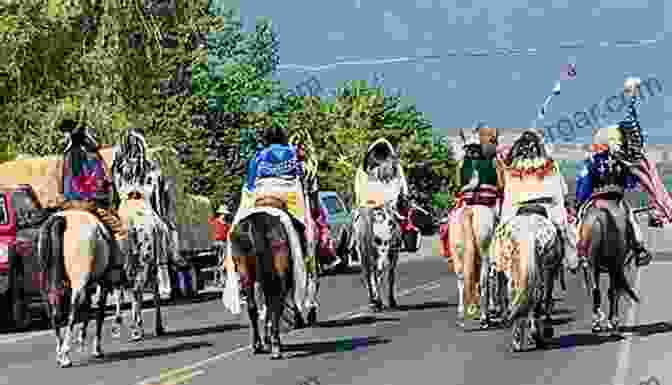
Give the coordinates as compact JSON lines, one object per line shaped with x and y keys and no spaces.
{"x":276,"y":160}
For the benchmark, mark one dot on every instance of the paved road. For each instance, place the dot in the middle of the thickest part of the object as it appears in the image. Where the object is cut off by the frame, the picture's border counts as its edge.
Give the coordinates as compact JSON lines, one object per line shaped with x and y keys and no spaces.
{"x":206,"y":345}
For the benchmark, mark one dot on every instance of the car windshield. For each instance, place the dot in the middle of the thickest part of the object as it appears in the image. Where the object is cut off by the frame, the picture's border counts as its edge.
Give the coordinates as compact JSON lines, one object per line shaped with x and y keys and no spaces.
{"x":333,"y":204}
{"x":23,"y":202}
{"x":4,"y":215}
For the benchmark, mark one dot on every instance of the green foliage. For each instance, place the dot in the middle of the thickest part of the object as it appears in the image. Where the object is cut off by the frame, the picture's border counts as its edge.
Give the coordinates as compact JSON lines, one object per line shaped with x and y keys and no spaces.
{"x":50,"y":69}
{"x":443,"y":200}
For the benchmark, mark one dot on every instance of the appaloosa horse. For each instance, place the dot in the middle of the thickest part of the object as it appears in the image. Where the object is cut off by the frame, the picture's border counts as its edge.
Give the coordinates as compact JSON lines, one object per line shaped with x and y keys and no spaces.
{"x":378,"y":240}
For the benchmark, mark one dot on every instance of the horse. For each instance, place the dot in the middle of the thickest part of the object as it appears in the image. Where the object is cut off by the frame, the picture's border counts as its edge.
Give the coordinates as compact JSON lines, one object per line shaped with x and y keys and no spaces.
{"x":602,"y":235}
{"x":378,"y":240}
{"x":269,"y":256}
{"x":529,"y":252}
{"x":148,"y":236}
{"x":528,"y":245}
{"x":74,"y":249}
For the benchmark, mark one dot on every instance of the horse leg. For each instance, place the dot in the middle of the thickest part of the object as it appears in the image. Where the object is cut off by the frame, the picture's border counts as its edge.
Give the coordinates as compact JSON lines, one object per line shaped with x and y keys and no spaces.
{"x":57,"y":331}
{"x":485,"y":291}
{"x":84,"y":321}
{"x":78,"y":297}
{"x":247,"y":269}
{"x":158,"y":319}
{"x":460,"y":300}
{"x":374,"y":294}
{"x":118,"y":319}
{"x":137,"y":330}
{"x":277,"y":298}
{"x":96,"y":349}
{"x":391,"y":277}
{"x":549,"y":283}
{"x":614,"y":296}
{"x":469,"y":266}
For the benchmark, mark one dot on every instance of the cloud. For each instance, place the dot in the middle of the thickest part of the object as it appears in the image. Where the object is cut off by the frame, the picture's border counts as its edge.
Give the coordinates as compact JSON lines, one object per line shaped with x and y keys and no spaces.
{"x":393,"y":25}
{"x":336,"y":36}
{"x":535,"y":12}
{"x":423,"y":4}
{"x":624,"y":4}
{"x":560,"y":4}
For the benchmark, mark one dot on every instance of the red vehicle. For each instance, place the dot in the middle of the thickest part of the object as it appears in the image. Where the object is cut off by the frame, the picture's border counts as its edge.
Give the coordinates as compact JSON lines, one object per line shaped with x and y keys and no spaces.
{"x":19,"y":209}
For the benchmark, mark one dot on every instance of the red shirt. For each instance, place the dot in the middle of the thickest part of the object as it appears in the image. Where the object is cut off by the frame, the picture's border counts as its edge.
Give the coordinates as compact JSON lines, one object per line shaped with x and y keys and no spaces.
{"x":221,"y":228}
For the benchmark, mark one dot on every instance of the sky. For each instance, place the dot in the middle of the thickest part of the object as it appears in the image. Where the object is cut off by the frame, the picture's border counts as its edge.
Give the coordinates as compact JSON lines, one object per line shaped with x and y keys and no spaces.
{"x":471,"y":76}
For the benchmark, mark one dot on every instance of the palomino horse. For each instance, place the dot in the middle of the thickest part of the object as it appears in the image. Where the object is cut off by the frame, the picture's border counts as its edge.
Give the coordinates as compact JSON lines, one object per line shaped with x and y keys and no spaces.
{"x":74,"y":249}
{"x":602,"y":239}
{"x":378,"y":240}
{"x":268,"y":254}
{"x":529,"y":252}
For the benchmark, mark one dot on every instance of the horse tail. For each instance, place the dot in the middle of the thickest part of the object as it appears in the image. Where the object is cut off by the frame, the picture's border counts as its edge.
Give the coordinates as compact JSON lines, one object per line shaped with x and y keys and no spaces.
{"x":50,"y":254}
{"x":263,"y":249}
{"x":620,"y":280}
{"x":527,"y":250}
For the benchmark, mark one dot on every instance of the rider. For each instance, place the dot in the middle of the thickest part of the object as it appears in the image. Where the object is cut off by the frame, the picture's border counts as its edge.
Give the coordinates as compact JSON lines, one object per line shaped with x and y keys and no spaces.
{"x":276,"y":159}
{"x":380,"y":164}
{"x":597,"y":177}
{"x":83,"y":183}
{"x":479,"y":180}
{"x":536,"y":178}
{"x":146,"y":176}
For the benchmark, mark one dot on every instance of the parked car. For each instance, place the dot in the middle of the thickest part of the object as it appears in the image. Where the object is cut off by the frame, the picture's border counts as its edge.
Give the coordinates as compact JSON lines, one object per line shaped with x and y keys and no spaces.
{"x":19,"y":220}
{"x":339,"y":220}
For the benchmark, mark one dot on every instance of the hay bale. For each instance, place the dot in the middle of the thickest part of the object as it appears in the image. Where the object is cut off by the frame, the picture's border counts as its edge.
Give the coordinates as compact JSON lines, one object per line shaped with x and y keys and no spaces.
{"x":37,"y":172}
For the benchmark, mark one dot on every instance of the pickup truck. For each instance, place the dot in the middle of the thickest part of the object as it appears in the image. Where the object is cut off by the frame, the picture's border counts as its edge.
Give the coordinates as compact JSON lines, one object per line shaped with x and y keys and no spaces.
{"x":20,"y":216}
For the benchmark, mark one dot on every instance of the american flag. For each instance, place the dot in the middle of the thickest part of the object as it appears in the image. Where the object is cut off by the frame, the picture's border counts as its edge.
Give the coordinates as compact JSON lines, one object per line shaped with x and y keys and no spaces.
{"x":568,"y":72}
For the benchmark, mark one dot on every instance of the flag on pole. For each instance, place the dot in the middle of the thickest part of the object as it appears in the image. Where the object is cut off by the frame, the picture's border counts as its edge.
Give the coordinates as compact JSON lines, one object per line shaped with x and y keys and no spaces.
{"x":568,"y":72}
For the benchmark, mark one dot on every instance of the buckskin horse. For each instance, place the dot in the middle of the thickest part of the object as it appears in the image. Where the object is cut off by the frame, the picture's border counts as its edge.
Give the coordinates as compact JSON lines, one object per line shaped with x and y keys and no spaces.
{"x":74,"y":250}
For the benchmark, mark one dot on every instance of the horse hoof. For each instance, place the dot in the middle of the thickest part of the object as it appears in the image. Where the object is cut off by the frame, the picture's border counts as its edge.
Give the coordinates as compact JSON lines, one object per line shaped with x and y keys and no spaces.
{"x":136,"y":336}
{"x":393,"y":304}
{"x":97,"y":354}
{"x":312,"y":317}
{"x":160,"y":332}
{"x":276,"y":354}
{"x":258,"y":348}
{"x":596,"y":328}
{"x":116,"y":333}
{"x":548,"y":332}
{"x":65,"y":362}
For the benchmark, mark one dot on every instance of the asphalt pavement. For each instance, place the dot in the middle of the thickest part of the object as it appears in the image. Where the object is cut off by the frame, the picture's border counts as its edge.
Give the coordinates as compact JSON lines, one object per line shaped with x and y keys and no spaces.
{"x":419,"y":342}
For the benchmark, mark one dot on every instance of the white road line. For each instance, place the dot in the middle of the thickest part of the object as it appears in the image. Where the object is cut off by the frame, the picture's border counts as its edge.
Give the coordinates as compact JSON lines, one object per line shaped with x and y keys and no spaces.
{"x":221,"y":356}
{"x":40,"y":333}
{"x":30,"y":335}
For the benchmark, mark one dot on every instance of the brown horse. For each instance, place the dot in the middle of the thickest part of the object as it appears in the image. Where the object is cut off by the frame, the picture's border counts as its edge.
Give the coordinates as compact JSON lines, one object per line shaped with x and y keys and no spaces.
{"x":74,"y":250}
{"x":264,"y":255}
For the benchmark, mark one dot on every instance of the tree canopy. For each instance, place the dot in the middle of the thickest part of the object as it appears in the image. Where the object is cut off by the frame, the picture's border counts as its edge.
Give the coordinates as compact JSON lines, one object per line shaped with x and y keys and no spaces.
{"x":196,"y":82}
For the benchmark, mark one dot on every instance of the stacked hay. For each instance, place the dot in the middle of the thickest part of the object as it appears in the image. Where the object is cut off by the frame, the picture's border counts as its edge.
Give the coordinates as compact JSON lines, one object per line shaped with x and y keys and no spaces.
{"x":42,"y":174}
{"x":37,"y":172}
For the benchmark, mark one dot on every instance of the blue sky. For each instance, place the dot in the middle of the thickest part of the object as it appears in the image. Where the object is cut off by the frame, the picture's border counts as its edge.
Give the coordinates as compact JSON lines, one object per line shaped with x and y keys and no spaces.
{"x":503,"y":90}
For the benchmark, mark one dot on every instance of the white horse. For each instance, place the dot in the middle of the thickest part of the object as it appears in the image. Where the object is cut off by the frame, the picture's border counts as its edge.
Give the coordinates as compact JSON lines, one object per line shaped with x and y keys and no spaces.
{"x":378,"y":240}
